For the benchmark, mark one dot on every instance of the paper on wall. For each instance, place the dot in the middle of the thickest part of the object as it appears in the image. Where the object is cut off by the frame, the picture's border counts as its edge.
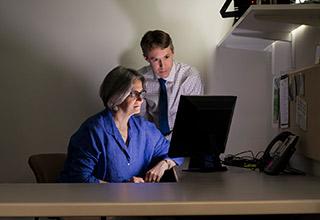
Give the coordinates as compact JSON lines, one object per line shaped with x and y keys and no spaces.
{"x":284,"y":101}
{"x":301,"y":113}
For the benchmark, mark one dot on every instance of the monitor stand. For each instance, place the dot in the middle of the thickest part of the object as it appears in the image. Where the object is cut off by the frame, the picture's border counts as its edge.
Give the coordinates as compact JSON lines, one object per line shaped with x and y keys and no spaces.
{"x":206,"y":164}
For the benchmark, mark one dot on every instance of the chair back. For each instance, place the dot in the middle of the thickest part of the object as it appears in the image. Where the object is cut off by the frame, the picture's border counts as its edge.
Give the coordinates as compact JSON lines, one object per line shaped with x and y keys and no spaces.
{"x":47,"y":167}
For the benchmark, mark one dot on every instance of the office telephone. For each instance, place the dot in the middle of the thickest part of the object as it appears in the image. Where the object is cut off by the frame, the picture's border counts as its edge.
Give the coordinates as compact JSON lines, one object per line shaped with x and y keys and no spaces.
{"x":278,"y":153}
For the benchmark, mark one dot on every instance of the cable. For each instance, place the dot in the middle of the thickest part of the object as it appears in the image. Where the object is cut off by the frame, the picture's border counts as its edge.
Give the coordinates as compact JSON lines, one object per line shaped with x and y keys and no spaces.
{"x":246,"y":161}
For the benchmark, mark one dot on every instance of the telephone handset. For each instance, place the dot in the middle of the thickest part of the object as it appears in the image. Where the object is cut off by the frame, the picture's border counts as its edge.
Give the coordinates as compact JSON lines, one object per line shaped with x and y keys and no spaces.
{"x":278,"y":153}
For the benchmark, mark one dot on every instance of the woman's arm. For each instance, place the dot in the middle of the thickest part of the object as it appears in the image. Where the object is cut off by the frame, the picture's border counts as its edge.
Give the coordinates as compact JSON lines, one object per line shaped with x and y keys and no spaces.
{"x":155,"y":173}
{"x":83,"y":156}
{"x":160,"y":153}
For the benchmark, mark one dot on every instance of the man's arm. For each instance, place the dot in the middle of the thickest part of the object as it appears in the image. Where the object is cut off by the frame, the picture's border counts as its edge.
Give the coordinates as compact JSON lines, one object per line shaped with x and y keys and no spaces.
{"x":196,"y":87}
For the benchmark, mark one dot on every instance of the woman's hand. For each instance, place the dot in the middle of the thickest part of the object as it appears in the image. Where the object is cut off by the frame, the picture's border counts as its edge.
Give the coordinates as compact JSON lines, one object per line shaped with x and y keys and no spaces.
{"x":155,"y":174}
{"x":136,"y":179}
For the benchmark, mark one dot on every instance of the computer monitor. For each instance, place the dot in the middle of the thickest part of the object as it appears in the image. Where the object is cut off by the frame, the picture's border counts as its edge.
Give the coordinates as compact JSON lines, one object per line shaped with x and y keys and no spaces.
{"x":201,"y":130}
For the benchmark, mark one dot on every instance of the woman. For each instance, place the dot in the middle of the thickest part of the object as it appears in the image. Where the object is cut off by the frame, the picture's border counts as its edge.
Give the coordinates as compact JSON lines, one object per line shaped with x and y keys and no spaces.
{"x":116,"y":145}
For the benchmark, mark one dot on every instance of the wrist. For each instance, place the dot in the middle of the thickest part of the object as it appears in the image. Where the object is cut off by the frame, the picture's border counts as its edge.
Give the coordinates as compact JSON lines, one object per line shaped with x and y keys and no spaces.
{"x":169,"y":163}
{"x":165,"y":165}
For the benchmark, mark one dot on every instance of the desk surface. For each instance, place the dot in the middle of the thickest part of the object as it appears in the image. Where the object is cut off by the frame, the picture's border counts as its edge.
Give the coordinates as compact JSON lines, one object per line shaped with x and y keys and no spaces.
{"x":237,"y":191}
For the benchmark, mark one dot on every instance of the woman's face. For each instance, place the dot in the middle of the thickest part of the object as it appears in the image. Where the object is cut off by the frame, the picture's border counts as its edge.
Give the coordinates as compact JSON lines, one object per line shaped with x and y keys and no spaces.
{"x":132,"y":104}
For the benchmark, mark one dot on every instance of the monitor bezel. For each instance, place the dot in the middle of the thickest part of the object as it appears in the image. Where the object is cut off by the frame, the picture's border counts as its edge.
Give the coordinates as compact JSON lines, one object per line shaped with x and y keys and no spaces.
{"x":211,"y":161}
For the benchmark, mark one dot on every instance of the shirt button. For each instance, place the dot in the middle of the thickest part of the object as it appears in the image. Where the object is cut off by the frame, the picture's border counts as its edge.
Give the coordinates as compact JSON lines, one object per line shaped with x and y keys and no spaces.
{"x":128,"y":164}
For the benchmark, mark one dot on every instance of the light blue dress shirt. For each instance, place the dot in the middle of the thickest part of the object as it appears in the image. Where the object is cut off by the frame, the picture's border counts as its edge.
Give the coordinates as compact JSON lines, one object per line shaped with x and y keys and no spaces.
{"x":98,"y":152}
{"x":182,"y":80}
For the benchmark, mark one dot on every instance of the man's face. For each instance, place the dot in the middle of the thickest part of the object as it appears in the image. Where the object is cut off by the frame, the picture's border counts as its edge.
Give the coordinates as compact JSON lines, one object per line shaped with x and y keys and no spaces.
{"x":161,"y":61}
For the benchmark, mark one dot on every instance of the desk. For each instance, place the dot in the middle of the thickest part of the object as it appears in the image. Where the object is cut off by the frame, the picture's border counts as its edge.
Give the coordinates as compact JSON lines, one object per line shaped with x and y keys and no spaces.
{"x":235,"y":192}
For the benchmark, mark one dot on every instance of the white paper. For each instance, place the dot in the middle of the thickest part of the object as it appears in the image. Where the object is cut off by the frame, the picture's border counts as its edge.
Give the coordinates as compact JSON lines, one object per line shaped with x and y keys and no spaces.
{"x":284,"y":102}
{"x":301,"y":113}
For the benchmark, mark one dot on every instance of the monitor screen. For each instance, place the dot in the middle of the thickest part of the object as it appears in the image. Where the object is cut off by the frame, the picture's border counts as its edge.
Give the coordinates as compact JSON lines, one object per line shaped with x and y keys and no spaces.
{"x":201,"y":130}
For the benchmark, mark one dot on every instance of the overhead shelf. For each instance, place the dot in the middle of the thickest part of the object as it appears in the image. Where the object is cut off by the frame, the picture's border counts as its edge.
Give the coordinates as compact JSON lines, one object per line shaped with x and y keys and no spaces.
{"x":261,"y":25}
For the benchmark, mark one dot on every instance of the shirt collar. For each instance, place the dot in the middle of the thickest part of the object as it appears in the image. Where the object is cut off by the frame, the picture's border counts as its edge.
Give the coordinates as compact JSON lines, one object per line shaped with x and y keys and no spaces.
{"x":172,"y":73}
{"x":109,"y":121}
{"x":110,"y":126}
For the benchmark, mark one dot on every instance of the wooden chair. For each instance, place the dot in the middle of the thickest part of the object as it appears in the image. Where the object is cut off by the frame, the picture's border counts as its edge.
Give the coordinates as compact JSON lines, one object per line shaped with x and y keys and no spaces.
{"x":47,"y":167}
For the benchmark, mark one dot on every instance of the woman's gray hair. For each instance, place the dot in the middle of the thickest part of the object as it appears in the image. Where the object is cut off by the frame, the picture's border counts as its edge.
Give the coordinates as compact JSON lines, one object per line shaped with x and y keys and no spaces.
{"x":117,"y":85}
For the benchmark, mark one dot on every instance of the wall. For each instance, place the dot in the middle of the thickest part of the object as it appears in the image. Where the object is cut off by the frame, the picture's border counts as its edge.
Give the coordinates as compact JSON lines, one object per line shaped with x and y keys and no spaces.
{"x":246,"y":74}
{"x":305,"y":40}
{"x":302,"y":53}
{"x":54,"y":55}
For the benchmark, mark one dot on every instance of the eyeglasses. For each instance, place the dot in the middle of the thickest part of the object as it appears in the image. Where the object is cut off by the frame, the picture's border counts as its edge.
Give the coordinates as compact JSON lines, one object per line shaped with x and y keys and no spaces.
{"x":136,"y":94}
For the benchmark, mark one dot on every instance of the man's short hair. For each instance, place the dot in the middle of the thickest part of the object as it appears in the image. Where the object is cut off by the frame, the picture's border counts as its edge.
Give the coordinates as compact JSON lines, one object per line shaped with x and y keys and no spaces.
{"x":155,"y":39}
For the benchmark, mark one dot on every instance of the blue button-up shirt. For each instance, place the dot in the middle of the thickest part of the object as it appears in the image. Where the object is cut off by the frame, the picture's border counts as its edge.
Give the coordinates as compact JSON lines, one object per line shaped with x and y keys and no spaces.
{"x":98,"y":152}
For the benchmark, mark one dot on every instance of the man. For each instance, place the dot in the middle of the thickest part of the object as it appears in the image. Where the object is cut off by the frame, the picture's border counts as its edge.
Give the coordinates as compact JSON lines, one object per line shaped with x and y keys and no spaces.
{"x":166,"y":80}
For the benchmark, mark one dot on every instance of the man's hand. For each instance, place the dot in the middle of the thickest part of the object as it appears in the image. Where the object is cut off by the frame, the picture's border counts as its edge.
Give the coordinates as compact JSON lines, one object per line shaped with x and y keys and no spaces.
{"x":155,"y":174}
